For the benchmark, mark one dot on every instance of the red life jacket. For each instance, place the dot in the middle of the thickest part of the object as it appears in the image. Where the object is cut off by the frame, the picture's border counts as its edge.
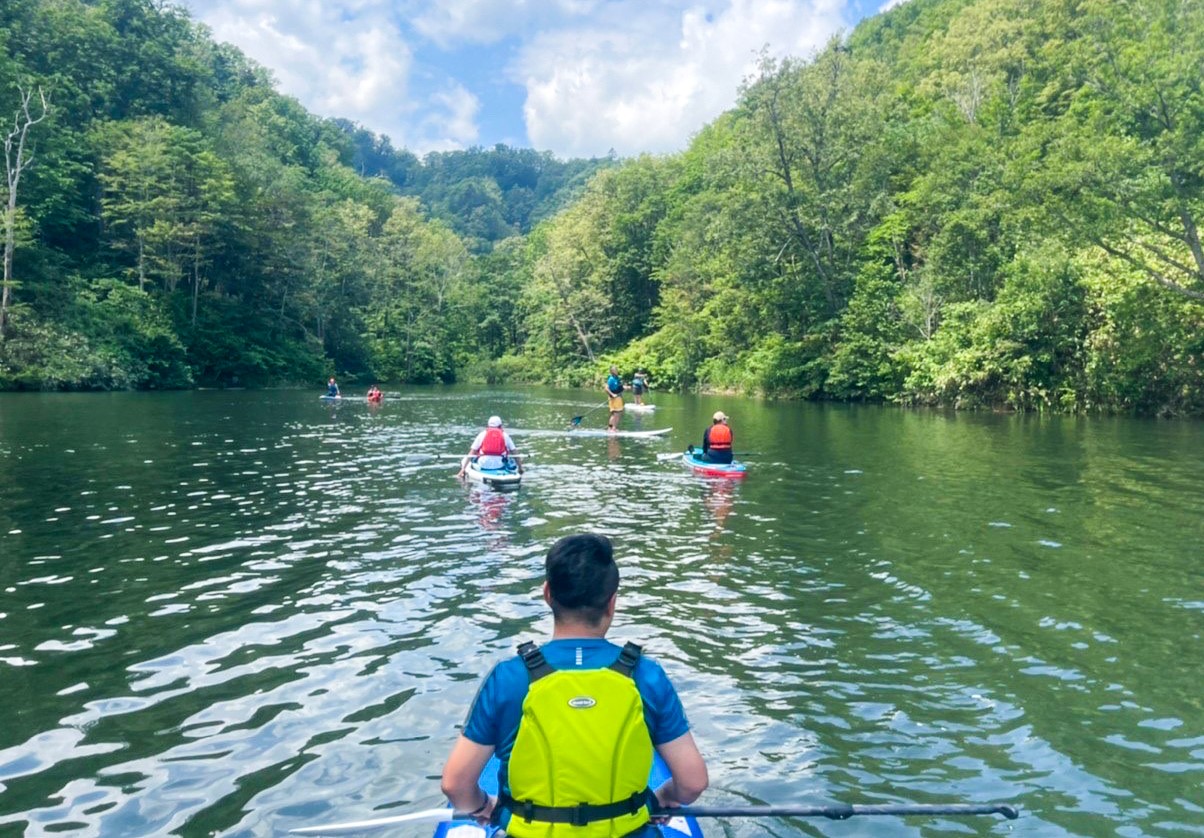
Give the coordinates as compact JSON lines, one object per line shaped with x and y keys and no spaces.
{"x":721,"y":437}
{"x":494,"y":444}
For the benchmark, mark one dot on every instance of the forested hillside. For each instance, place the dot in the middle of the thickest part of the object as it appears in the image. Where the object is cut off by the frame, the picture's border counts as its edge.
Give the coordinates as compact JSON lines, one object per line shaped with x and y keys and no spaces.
{"x":962,"y":202}
{"x":485,"y":195}
{"x":965,"y":202}
{"x":178,"y":222}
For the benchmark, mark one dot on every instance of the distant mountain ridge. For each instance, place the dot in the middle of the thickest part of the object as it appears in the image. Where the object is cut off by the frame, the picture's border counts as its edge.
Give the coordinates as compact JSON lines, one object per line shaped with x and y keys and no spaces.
{"x":484,"y":194}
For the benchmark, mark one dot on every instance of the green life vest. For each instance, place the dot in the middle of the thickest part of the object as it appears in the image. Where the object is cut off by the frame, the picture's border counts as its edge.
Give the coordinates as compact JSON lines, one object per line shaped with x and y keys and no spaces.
{"x":581,"y":758}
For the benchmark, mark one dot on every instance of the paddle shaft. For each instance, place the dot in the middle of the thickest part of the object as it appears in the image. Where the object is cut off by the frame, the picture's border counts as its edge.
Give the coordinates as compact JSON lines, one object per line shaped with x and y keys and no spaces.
{"x":576,"y":420}
{"x":834,"y":812}
{"x":840,"y":812}
{"x":462,"y":456}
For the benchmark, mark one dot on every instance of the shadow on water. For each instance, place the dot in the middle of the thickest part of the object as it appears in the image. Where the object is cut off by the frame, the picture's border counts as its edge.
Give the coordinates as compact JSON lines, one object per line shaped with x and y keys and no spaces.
{"x":236,"y":613}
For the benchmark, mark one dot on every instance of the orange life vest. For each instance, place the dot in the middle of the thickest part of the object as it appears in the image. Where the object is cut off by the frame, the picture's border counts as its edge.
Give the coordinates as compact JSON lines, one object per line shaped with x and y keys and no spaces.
{"x":494,"y":443}
{"x":721,"y":437}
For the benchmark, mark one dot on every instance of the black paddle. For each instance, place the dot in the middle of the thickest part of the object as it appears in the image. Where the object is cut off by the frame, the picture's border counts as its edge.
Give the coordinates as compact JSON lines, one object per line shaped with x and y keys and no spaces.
{"x":576,"y":420}
{"x":837,"y":812}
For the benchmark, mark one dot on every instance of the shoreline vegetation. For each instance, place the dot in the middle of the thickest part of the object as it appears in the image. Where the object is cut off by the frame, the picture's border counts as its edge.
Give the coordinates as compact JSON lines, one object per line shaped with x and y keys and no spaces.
{"x":987,"y":204}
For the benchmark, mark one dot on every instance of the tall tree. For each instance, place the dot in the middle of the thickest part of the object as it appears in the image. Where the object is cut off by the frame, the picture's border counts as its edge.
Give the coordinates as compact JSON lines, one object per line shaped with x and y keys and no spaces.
{"x":17,"y":158}
{"x":1124,"y":166}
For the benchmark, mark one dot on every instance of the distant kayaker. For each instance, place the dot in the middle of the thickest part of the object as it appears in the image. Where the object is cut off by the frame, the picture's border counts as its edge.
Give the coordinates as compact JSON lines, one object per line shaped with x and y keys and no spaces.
{"x":614,"y":398}
{"x":639,"y":384}
{"x":492,"y":447}
{"x":717,"y":440}
{"x":529,"y":711}
{"x":332,"y":389}
{"x":374,"y":394}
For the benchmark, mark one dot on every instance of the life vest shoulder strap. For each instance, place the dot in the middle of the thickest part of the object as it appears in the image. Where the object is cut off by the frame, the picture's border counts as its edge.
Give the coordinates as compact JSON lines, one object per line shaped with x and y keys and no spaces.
{"x":628,"y":657}
{"x":533,"y":659}
{"x":538,"y":666}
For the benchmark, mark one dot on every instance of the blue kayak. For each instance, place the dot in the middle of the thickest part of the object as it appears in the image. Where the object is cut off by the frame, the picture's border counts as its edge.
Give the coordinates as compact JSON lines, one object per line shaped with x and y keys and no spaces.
{"x":694,"y":460}
{"x":676,"y":828}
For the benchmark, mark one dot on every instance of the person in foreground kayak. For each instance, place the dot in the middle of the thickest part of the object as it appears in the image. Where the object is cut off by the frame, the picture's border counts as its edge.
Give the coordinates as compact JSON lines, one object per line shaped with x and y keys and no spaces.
{"x":575,"y":718}
{"x":492,"y":447}
{"x":717,"y":440}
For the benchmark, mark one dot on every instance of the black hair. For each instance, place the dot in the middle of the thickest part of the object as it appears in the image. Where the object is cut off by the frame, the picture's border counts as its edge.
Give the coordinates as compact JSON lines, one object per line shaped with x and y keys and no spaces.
{"x":582,"y":577}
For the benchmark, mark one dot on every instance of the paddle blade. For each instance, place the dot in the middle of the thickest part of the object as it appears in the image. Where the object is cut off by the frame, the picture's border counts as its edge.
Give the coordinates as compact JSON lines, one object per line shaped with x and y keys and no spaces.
{"x":576,"y":420}
{"x":426,"y":815}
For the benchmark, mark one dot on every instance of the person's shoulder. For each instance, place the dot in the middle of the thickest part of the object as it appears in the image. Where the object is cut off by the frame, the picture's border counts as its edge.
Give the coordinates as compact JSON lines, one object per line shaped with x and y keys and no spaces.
{"x":649,"y":662}
{"x":651,"y":676}
{"x":648,"y":667}
{"x":509,"y":672}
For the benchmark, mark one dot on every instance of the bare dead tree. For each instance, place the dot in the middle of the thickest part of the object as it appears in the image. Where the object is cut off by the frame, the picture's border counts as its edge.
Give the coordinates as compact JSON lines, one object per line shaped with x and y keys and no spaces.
{"x":16,"y":161}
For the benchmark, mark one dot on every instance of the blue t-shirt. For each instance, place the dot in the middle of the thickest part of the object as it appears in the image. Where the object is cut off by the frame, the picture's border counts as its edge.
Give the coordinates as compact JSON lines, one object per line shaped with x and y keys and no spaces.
{"x":498,"y":707}
{"x":496,"y":711}
{"x":614,"y":385}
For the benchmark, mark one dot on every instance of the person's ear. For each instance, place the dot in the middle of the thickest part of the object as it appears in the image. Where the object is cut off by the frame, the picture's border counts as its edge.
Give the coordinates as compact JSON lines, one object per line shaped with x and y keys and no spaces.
{"x":610,"y":606}
{"x":547,"y":593}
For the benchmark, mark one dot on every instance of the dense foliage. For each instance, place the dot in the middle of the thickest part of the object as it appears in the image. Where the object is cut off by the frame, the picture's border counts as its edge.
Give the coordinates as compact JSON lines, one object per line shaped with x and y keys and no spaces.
{"x":963,"y":202}
{"x":484,"y":195}
{"x":182,"y":223}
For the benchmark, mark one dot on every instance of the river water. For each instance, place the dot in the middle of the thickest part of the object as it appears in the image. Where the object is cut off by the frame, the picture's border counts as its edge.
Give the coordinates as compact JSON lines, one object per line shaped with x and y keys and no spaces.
{"x":235,"y":613}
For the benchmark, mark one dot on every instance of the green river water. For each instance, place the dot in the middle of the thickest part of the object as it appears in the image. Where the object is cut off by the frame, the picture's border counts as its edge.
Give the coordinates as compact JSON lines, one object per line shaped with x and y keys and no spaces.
{"x":235,"y":613}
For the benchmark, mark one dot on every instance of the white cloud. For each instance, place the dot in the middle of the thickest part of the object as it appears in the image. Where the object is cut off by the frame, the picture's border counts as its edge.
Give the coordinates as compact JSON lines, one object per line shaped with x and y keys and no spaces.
{"x":632,"y":75}
{"x":451,"y":123}
{"x":890,"y":4}
{"x":488,"y":21}
{"x":348,"y":59}
{"x":639,"y":83}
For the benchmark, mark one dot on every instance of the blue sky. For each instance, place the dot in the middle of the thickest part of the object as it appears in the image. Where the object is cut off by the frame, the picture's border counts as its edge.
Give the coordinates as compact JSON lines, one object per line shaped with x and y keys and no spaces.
{"x":574,"y":77}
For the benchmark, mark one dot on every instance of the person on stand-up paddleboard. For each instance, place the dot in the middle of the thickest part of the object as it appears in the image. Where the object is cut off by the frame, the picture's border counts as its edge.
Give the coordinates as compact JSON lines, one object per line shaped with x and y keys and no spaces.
{"x":639,"y":385}
{"x":332,"y":389}
{"x":576,"y":719}
{"x":717,"y":440}
{"x":614,"y":398}
{"x":492,"y":447}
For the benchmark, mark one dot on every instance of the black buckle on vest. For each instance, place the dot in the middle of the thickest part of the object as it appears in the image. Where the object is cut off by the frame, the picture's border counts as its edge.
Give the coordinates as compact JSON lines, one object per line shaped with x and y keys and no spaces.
{"x":636,"y":802}
{"x":628,"y":657}
{"x":528,"y":810}
{"x":537,"y":666}
{"x":580,"y":815}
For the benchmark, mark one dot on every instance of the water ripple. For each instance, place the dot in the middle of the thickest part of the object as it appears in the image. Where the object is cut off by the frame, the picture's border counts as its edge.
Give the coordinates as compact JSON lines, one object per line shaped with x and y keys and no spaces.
{"x":231,"y":614}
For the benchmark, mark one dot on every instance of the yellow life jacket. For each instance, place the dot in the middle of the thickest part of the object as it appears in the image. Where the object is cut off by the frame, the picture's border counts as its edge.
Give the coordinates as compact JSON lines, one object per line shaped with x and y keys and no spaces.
{"x":581,"y":758}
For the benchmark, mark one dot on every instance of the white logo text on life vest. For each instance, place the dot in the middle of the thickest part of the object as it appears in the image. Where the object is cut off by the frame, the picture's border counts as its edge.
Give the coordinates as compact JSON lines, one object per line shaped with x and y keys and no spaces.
{"x":581,"y":702}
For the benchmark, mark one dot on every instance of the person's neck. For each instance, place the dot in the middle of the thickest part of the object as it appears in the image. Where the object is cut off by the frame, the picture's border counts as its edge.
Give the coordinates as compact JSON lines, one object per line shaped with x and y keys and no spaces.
{"x":578,"y":631}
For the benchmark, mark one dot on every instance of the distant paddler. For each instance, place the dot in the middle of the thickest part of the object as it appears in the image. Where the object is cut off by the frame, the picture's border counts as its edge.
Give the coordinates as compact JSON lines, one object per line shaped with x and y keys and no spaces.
{"x":332,"y":388}
{"x":639,"y":385}
{"x":375,"y":395}
{"x":614,"y":398}
{"x":492,"y":448}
